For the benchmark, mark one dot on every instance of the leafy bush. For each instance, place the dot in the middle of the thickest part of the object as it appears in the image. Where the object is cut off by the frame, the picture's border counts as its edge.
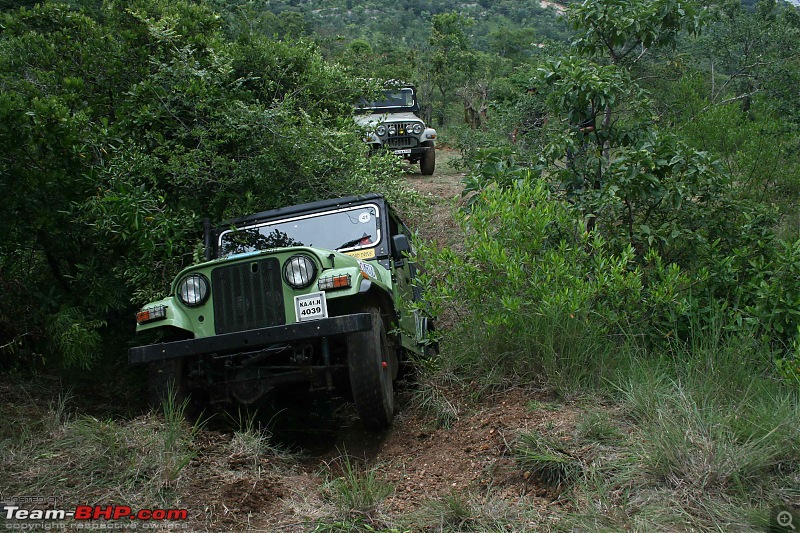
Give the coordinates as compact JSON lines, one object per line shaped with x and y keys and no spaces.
{"x":542,"y":294}
{"x":531,"y":283}
{"x":124,"y":127}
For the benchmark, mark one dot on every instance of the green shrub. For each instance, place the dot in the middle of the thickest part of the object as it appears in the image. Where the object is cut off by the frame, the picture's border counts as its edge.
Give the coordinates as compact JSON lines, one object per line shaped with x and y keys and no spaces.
{"x":543,"y":293}
{"x":672,"y":250}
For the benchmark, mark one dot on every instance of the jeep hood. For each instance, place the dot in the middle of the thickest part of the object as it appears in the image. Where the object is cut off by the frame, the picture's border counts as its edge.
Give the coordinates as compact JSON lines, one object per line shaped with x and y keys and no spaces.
{"x":370,"y":121}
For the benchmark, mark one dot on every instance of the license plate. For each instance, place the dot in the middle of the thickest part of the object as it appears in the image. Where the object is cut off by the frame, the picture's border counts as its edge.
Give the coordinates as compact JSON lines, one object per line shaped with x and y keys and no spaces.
{"x":404,"y":151}
{"x":310,"y":306}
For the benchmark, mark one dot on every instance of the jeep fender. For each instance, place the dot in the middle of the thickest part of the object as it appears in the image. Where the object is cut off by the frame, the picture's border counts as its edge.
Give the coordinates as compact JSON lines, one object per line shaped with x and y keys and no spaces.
{"x":429,"y":135}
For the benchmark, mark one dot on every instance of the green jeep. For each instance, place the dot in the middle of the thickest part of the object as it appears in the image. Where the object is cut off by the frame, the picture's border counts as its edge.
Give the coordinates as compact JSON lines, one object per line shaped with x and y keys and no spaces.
{"x":310,"y":294}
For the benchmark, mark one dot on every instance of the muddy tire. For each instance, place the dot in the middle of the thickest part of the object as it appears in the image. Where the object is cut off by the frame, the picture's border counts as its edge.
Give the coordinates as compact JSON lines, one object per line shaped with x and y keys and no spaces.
{"x":171,"y":376}
{"x":427,"y":164}
{"x":164,"y":377}
{"x":370,"y":365}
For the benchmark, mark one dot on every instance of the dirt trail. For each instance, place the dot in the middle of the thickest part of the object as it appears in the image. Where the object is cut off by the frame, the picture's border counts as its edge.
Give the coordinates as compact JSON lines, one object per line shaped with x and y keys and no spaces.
{"x":443,"y":189}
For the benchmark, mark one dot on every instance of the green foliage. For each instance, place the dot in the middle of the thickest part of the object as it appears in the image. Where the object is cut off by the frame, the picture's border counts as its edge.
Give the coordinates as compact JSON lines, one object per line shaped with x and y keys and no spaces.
{"x":754,"y":146}
{"x":616,"y":28}
{"x":543,"y":292}
{"x":674,"y":247}
{"x":668,"y":224}
{"x":125,"y":126}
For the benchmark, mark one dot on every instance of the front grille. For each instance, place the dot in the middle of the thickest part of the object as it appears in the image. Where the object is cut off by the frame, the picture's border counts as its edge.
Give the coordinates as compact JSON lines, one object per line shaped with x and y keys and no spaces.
{"x":401,"y":142}
{"x":247,"y":296}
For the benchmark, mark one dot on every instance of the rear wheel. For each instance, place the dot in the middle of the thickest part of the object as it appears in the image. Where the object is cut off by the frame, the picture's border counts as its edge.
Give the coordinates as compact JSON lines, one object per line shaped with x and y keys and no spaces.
{"x":427,"y":163}
{"x":371,"y":367}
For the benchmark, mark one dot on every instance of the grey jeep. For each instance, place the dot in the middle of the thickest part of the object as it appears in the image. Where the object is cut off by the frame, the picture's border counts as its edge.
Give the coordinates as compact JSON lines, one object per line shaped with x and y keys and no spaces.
{"x":393,"y":124}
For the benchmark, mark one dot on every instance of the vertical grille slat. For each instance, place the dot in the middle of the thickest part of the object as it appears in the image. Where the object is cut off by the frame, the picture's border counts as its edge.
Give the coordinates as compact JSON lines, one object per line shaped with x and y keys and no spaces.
{"x":402,"y":142}
{"x":247,"y":296}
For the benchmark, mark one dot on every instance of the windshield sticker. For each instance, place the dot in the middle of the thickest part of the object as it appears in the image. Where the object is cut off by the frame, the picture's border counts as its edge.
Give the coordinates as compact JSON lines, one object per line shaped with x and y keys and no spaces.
{"x":368,"y":253}
{"x":364,"y":218}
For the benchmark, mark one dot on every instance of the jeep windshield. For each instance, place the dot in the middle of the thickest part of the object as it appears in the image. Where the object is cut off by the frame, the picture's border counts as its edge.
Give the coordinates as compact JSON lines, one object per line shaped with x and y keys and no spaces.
{"x":392,"y":100}
{"x":351,"y":228}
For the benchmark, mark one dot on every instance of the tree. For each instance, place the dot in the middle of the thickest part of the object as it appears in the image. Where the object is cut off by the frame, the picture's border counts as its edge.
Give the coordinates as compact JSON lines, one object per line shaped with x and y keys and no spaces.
{"x":452,"y":60}
{"x":612,"y":36}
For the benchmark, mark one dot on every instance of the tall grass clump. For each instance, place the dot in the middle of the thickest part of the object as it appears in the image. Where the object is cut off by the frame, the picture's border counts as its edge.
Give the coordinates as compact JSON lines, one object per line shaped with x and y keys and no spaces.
{"x":468,"y":511}
{"x":714,"y":419}
{"x":354,"y":488}
{"x":138,"y":462}
{"x":714,"y":443}
{"x":251,"y":441}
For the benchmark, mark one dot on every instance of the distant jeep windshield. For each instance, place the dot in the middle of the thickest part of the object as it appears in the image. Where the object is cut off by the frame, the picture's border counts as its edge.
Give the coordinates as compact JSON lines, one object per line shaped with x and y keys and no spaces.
{"x":346,"y":229}
{"x":392,"y":100}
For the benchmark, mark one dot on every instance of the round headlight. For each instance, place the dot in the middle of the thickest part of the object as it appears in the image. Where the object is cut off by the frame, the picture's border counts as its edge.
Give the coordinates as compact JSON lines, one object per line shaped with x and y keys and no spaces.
{"x":380,"y":131}
{"x":299,"y":271}
{"x":193,"y":290}
{"x":417,"y":128}
{"x":392,"y":130}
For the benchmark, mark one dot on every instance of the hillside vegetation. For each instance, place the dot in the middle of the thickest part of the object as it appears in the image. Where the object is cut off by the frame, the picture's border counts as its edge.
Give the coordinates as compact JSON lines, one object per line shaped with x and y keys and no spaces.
{"x":627,"y":246}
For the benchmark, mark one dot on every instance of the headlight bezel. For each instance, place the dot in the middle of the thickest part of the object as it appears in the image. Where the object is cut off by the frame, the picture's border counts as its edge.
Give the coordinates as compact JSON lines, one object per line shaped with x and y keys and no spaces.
{"x":417,"y":128}
{"x":392,"y":129}
{"x":380,"y":131}
{"x":198,"y":294}
{"x":305,"y":279}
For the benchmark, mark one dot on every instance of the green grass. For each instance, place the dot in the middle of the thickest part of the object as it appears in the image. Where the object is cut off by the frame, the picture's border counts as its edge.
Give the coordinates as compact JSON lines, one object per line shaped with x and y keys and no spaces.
{"x":547,"y":460}
{"x":94,"y":459}
{"x":470,"y":512}
{"x":715,"y":442}
{"x":433,"y":401}
{"x":702,"y":435}
{"x":353,"y":488}
{"x":598,"y":426}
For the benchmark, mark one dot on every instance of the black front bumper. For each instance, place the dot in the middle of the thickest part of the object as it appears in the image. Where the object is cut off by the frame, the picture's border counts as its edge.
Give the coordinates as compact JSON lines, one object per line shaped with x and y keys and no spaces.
{"x":251,"y":340}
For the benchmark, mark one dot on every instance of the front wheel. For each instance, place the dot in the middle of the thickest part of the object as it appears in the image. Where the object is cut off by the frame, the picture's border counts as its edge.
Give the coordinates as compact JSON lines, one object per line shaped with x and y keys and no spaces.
{"x":371,"y":367}
{"x":168,"y":390}
{"x":166,"y":382}
{"x":427,"y":163}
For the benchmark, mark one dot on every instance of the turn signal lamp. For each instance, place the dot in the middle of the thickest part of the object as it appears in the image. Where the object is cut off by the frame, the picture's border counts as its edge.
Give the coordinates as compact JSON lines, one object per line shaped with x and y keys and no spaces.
{"x":151,"y":314}
{"x":334,"y":282}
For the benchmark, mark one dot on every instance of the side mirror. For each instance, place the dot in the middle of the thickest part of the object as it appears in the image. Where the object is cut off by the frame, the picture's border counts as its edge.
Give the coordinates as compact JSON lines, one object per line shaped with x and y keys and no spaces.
{"x":400,"y":247}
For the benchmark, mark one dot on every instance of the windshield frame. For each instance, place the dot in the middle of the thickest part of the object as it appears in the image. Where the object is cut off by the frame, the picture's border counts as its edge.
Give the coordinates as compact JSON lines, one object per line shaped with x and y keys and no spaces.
{"x":374,"y":107}
{"x":376,"y":239}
